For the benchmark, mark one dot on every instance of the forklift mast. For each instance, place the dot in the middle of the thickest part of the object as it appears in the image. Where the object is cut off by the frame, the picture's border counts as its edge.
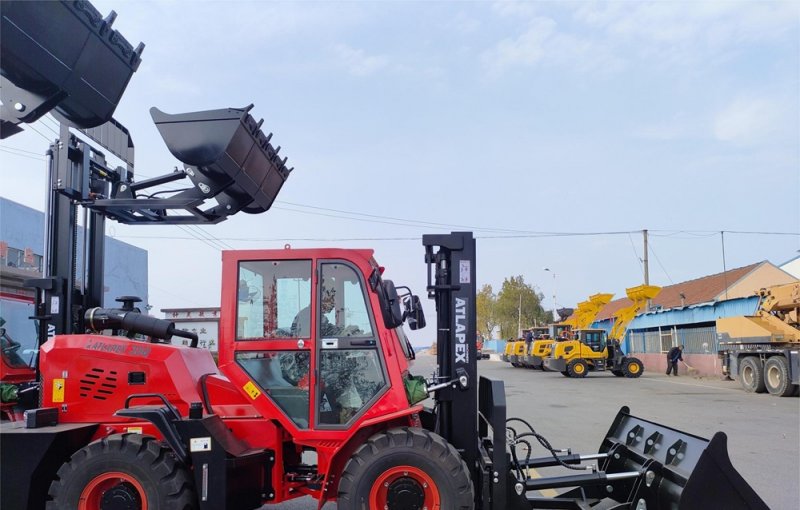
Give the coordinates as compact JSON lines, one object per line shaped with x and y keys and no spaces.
{"x":451,"y":284}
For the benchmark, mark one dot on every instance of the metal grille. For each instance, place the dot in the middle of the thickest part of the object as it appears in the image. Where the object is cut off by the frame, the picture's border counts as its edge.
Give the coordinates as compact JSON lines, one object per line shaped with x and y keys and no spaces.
{"x":652,"y":341}
{"x":645,"y":341}
{"x":636,"y":342}
{"x":695,"y":340}
{"x":666,"y":340}
{"x":699,"y":340}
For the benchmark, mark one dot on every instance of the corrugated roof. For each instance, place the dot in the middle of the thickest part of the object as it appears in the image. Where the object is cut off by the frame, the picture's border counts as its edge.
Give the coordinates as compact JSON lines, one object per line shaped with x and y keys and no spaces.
{"x":701,"y":290}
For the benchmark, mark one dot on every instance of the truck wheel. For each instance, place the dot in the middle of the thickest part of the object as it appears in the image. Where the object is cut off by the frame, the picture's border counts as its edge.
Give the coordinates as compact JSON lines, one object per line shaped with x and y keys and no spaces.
{"x":406,"y":468}
{"x":632,"y":368}
{"x":776,"y":377}
{"x":128,"y":471}
{"x":577,"y":368}
{"x":751,"y":375}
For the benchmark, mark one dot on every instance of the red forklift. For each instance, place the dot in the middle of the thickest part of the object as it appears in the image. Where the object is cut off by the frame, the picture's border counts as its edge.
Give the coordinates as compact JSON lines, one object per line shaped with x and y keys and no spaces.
{"x":313,"y":395}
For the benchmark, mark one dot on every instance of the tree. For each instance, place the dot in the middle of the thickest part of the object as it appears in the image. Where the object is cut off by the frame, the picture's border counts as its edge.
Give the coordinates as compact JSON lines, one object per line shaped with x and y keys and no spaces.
{"x":518,"y":305}
{"x":484,"y":306}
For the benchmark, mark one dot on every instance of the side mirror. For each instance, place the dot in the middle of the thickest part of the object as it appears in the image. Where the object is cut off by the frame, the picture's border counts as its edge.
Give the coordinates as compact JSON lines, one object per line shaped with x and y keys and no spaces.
{"x":414,"y":313}
{"x":390,"y":305}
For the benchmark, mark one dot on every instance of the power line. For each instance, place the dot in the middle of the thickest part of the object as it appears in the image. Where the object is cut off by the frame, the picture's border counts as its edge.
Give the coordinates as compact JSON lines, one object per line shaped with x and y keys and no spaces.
{"x":636,"y":253}
{"x":209,"y":237}
{"x":46,"y":125}
{"x":222,"y":241}
{"x":714,"y":233}
{"x":37,"y":158}
{"x":198,"y":238}
{"x":404,"y":220}
{"x":650,"y":245}
{"x":49,"y":140}
{"x":22,"y":150}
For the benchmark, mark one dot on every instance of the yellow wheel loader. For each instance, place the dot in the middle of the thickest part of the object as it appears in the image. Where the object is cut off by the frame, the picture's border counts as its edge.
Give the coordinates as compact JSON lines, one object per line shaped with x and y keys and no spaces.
{"x":506,"y":356}
{"x":594,"y":350}
{"x":583,"y":316}
{"x":537,"y":333}
{"x":517,"y":352}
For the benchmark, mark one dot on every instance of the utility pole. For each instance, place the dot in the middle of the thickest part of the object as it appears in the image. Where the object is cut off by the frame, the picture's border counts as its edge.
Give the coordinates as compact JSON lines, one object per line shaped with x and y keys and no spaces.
{"x":519,"y":316}
{"x":724,"y":265}
{"x":646,"y":267}
{"x":556,"y":316}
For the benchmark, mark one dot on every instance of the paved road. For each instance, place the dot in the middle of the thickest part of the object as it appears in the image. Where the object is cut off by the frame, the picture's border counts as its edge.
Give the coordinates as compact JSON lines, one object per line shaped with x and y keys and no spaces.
{"x":763,"y":431}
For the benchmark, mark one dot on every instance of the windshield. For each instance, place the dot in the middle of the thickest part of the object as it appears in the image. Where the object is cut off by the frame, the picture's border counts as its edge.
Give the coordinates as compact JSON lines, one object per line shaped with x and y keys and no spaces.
{"x":404,"y":343}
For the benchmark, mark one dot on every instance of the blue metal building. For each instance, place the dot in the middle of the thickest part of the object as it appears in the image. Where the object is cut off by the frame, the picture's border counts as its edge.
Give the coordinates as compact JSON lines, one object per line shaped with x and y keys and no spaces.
{"x":21,"y":257}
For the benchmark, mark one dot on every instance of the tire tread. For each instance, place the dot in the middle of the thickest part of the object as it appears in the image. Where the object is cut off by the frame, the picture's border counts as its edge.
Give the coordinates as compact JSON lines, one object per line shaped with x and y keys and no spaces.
{"x":429,"y":444}
{"x":174,"y":481}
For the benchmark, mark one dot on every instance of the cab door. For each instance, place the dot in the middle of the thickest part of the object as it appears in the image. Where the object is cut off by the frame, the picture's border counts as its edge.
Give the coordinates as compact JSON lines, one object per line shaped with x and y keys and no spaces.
{"x":352,"y":374}
{"x":274,"y":342}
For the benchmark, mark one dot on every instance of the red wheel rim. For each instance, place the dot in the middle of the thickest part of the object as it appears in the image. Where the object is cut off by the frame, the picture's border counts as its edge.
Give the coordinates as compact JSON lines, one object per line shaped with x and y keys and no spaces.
{"x":92,"y":494}
{"x":379,"y":494}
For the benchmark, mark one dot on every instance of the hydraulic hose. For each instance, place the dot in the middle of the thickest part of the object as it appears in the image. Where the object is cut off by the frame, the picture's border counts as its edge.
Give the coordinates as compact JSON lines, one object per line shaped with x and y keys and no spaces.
{"x":98,"y":319}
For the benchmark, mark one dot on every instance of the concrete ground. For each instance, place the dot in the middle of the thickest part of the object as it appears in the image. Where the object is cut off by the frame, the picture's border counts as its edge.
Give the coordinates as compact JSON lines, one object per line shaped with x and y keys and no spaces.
{"x":763,"y":431}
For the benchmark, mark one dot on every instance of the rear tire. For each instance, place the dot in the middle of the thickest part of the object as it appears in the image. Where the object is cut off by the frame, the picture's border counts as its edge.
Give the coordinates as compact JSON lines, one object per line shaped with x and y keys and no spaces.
{"x":126,"y":470}
{"x":632,"y":368}
{"x":577,"y":368}
{"x":751,"y":375}
{"x":406,"y":466}
{"x":776,"y":377}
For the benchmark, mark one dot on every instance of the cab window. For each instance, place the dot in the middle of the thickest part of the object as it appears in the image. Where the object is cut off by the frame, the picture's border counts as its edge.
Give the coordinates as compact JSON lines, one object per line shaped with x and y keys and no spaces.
{"x":274,"y":299}
{"x":343,"y":307}
{"x":284,"y":376}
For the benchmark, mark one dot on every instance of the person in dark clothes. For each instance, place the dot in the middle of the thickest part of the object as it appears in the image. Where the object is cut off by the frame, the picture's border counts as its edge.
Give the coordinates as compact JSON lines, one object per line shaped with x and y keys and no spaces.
{"x":673,"y":357}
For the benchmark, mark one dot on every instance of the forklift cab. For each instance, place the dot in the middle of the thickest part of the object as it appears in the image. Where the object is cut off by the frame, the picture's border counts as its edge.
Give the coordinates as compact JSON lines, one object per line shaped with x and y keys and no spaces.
{"x":308,"y":333}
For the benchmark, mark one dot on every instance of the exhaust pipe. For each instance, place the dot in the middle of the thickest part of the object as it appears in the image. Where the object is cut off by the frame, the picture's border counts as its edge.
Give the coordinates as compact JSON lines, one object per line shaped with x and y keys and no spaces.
{"x":98,"y":319}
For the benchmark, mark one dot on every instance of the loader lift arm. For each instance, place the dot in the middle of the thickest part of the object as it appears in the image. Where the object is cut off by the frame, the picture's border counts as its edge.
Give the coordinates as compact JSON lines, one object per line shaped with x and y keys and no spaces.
{"x":639,"y":296}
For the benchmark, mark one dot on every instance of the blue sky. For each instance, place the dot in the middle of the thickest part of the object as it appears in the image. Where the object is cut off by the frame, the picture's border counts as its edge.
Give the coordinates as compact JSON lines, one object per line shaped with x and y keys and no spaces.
{"x":504,"y":116}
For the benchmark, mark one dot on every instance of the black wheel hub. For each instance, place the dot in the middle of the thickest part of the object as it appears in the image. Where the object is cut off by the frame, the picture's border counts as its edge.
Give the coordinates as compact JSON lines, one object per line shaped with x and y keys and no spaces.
{"x":405,"y":494}
{"x":121,"y":497}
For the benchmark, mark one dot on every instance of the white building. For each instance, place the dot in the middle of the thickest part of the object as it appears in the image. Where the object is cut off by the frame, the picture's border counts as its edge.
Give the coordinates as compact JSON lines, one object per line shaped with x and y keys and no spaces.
{"x":792,"y":267}
{"x":202,"y":321}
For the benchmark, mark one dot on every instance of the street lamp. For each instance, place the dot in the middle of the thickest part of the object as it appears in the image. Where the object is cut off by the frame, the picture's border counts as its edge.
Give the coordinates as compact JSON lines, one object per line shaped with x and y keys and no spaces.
{"x":555,"y":302}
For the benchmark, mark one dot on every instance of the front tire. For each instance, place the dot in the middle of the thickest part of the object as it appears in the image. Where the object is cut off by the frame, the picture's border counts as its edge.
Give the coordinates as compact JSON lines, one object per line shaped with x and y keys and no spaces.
{"x":751,"y":375}
{"x":577,"y":368}
{"x":632,"y":368}
{"x":776,"y":377}
{"x":122,"y":471}
{"x":405,"y":468}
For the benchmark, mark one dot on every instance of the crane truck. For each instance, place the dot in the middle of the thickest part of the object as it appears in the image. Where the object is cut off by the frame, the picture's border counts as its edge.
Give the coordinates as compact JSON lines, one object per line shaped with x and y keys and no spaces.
{"x":762,"y":351}
{"x":594,"y":350}
{"x":313,"y":394}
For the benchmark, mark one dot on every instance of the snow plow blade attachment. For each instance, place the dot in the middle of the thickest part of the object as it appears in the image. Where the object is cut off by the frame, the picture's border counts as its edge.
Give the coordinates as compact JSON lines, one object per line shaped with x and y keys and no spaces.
{"x":227,"y":156}
{"x":61,"y":56}
{"x":680,"y":470}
